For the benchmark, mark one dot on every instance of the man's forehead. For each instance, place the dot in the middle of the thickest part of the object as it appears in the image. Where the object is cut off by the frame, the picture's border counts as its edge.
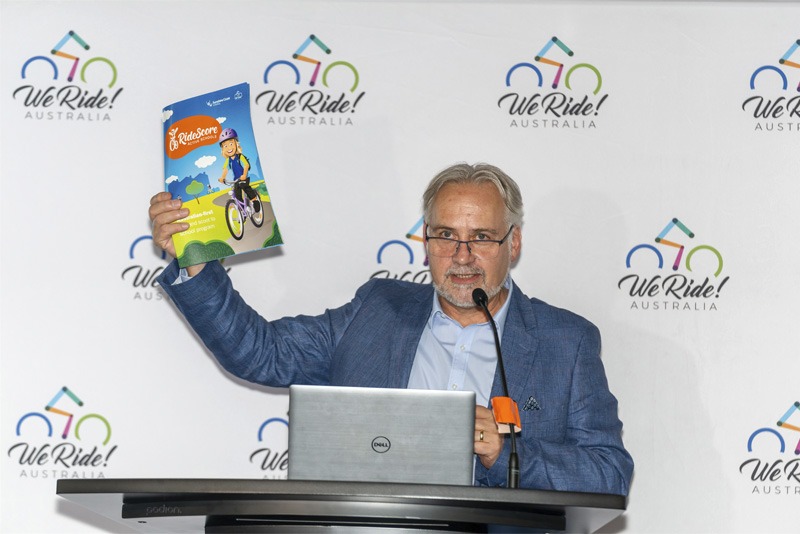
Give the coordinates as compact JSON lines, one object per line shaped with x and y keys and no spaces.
{"x":473,"y":208}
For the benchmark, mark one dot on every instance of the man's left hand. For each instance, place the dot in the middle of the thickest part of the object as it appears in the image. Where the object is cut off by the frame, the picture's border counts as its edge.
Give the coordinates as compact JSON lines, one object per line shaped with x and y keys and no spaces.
{"x":488,"y":442}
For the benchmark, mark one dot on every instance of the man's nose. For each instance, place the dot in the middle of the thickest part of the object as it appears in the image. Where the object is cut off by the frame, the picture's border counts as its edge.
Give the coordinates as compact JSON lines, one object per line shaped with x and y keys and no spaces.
{"x":463,"y":253}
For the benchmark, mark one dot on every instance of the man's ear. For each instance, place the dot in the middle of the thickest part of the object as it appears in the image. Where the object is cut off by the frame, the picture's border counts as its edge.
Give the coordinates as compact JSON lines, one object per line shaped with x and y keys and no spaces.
{"x":516,"y":243}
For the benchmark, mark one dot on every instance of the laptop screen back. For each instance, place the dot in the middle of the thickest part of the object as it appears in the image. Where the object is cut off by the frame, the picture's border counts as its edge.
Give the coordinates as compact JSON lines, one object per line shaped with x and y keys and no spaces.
{"x":381,"y":435}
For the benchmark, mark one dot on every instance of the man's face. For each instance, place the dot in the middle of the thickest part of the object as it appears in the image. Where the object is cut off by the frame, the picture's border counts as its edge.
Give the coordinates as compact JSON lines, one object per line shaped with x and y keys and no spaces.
{"x":466,"y":212}
{"x":229,"y":147}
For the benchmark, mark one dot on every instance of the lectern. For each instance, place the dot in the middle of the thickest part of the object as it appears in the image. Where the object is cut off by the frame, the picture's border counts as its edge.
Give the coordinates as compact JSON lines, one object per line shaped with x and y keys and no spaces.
{"x":220,"y":505}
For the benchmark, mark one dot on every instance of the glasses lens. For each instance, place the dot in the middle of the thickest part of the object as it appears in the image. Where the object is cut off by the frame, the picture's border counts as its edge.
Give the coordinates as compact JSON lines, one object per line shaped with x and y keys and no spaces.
{"x":486,"y":250}
{"x":446,"y":248}
{"x":442,"y":248}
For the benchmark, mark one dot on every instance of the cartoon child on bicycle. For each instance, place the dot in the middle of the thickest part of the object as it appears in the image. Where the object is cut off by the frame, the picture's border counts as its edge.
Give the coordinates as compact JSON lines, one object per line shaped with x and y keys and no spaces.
{"x":237,"y":162}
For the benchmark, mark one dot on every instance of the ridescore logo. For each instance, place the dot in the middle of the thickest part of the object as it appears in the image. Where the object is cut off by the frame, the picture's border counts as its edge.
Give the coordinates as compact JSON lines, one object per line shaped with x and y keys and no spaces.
{"x":772,"y":108}
{"x":773,"y":467}
{"x":574,"y":108}
{"x":90,"y":98}
{"x":685,"y":289}
{"x":310,"y":107}
{"x":45,"y":456}
{"x":190,"y":133}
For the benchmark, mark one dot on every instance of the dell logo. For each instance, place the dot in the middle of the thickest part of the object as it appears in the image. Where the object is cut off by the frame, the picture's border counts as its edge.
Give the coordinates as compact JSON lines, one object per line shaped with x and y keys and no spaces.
{"x":381,"y":444}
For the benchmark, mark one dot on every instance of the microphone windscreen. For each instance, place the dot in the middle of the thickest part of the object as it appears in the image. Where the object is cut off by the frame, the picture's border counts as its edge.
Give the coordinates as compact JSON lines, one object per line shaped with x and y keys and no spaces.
{"x":480,"y":297}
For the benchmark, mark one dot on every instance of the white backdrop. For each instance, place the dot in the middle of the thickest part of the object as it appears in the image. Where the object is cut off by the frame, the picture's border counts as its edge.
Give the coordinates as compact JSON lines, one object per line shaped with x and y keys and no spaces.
{"x":701,"y":362}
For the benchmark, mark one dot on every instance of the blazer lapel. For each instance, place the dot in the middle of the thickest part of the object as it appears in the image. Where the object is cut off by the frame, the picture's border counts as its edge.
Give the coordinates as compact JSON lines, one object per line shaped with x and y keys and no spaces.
{"x":519,"y":346}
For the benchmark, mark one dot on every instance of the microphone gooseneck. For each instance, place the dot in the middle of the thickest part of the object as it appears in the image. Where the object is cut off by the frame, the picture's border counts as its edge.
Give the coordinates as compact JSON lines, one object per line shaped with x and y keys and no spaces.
{"x":482,"y":300}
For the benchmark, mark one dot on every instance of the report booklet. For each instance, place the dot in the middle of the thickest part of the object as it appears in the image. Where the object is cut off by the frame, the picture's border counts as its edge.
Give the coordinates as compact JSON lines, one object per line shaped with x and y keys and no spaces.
{"x":211,"y":162}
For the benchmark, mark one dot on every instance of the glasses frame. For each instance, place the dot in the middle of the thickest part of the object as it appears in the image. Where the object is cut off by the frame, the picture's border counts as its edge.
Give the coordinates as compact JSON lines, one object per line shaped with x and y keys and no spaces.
{"x":468,"y":241}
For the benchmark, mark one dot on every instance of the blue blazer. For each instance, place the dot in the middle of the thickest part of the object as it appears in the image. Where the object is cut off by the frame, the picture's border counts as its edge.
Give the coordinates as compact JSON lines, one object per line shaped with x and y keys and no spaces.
{"x":571,"y":435}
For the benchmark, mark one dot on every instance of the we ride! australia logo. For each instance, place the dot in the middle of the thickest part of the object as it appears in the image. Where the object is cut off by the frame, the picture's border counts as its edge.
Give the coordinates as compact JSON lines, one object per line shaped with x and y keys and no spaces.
{"x":396,"y":258}
{"x":772,"y":464}
{"x":307,"y":89}
{"x":69,"y":83}
{"x":774,"y":101}
{"x":144,"y":265}
{"x":686,"y":287}
{"x":575,"y":101}
{"x":61,"y":441}
{"x":272,"y":453}
{"x":143,"y":269}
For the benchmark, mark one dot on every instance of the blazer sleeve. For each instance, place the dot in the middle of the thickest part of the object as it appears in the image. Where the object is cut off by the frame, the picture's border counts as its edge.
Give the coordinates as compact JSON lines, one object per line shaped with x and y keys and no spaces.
{"x":587,"y":454}
{"x":296,"y":350}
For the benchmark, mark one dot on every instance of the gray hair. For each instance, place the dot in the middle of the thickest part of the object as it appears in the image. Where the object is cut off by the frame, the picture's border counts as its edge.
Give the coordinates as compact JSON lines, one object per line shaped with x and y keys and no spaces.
{"x":463,"y":173}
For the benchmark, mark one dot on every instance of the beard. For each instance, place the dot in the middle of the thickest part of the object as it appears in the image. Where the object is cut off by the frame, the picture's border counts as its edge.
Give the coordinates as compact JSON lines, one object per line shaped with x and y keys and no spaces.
{"x":461,"y":296}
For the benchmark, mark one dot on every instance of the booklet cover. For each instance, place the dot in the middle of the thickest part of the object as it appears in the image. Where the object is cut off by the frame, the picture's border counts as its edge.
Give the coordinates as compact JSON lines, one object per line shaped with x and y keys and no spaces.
{"x":211,"y":162}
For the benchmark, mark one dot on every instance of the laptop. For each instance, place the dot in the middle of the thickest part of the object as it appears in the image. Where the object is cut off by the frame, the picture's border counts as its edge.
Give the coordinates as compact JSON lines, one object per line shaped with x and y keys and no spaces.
{"x":381,"y":435}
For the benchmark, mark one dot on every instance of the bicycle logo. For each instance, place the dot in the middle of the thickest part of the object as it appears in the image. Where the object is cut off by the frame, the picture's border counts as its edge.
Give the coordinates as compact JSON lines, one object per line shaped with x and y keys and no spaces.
{"x":420,"y":276}
{"x":50,"y":408}
{"x":411,"y":234}
{"x":298,"y":55}
{"x":784,"y":60}
{"x":56,"y":51}
{"x":660,"y":240}
{"x":782,"y":423}
{"x":540,"y":58}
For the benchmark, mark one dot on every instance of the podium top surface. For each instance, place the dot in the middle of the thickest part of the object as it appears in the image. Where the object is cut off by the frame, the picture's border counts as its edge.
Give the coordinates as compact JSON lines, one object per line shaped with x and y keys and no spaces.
{"x":188,"y":505}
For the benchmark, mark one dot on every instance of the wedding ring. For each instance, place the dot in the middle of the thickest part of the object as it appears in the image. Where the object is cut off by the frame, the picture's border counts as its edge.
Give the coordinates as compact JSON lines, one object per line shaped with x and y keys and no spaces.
{"x":480,"y":436}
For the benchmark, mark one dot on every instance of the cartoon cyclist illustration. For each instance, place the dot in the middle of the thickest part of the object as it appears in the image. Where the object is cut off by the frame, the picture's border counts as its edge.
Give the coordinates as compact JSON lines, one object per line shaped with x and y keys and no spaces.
{"x":237,"y":162}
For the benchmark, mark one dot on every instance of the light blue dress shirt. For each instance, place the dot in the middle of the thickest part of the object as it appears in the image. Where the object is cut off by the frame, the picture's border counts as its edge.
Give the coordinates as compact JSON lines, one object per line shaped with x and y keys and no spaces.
{"x":455,"y":357}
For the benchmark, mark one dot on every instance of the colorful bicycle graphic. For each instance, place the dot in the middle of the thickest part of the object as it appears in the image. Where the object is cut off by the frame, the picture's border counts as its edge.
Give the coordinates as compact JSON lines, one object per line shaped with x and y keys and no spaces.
{"x":784,"y":60}
{"x":411,"y":235}
{"x":540,"y":58}
{"x":50,"y":408}
{"x":56,"y":51}
{"x":782,"y":423}
{"x":299,"y":56}
{"x":237,"y":211}
{"x":660,"y":239}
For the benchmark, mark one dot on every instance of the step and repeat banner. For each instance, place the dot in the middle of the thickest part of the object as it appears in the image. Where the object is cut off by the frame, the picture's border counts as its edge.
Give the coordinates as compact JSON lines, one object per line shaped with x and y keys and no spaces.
{"x":655,"y":144}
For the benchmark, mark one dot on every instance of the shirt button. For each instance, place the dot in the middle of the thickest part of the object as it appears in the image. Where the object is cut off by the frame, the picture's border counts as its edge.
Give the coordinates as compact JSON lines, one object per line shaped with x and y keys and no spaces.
{"x":462,"y":347}
{"x":454,"y":386}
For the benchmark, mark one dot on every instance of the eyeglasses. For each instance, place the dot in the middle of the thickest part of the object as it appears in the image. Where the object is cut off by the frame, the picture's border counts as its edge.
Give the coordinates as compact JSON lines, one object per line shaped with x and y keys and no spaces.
{"x":445,"y":247}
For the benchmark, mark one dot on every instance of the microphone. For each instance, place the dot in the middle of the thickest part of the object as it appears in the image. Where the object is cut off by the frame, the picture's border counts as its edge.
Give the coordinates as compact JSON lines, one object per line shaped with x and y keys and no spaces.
{"x":504,"y":408}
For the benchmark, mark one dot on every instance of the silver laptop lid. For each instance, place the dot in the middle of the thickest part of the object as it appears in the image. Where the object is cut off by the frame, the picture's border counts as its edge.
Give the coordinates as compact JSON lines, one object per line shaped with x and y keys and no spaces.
{"x":381,"y":435}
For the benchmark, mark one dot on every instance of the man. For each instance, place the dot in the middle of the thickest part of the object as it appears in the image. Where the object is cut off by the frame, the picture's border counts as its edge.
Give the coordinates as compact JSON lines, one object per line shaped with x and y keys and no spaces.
{"x":399,"y":334}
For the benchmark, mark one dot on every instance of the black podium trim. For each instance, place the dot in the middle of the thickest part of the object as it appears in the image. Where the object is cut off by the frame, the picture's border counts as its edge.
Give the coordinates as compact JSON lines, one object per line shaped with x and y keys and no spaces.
{"x":223,"y":505}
